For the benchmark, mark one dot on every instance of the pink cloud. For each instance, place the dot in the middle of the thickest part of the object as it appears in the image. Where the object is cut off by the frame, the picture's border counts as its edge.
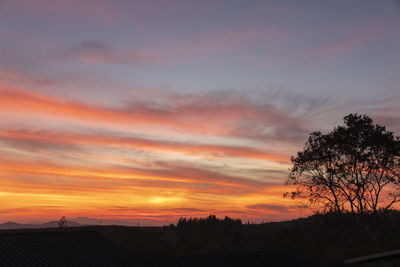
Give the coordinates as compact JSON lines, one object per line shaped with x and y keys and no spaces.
{"x":350,"y":39}
{"x":13,"y":76}
{"x":219,"y":114}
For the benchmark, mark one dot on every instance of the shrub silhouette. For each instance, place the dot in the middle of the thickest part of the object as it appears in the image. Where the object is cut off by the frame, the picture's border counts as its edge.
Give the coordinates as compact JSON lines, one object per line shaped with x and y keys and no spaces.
{"x":62,"y":223}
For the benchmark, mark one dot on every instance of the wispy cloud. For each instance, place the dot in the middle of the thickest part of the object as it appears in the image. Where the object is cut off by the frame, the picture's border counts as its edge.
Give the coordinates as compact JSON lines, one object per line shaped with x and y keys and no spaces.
{"x":14,"y":76}
{"x":344,"y":41}
{"x":32,"y":139}
{"x":98,"y":52}
{"x":220,"y":114}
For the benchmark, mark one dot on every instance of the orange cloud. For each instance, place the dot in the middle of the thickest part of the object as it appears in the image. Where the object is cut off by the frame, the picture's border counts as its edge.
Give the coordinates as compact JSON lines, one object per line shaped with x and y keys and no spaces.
{"x":179,"y":175}
{"x":224,"y":115}
{"x":60,"y":138}
{"x":19,"y":101}
{"x":88,"y":179}
{"x":56,"y":190}
{"x":33,"y":199}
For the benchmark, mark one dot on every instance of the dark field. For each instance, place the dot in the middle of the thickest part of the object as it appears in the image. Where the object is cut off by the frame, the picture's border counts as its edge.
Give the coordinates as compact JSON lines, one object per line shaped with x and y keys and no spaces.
{"x":317,"y":240}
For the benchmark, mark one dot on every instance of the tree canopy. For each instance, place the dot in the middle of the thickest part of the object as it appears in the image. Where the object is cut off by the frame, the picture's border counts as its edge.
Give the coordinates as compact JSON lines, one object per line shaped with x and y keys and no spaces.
{"x":354,"y":168}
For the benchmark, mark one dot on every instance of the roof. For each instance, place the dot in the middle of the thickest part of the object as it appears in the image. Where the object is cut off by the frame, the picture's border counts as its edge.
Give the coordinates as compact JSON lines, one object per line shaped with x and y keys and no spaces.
{"x":60,"y":248}
{"x":373,"y":256}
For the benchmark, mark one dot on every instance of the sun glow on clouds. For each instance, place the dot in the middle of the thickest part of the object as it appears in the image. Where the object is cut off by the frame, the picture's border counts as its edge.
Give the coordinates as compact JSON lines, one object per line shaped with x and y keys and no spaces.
{"x":98,"y":161}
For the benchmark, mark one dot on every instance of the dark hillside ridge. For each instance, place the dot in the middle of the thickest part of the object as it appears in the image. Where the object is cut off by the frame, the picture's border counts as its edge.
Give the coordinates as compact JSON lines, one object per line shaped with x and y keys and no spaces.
{"x":51,"y":224}
{"x":327,"y":238}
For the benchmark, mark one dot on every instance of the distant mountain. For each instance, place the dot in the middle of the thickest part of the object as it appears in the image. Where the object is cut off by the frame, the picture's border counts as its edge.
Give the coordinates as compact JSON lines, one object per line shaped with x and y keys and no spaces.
{"x":55,"y":224}
{"x":96,"y":221}
{"x":52,"y":224}
{"x":126,"y":222}
{"x":14,"y":225}
{"x":81,"y":221}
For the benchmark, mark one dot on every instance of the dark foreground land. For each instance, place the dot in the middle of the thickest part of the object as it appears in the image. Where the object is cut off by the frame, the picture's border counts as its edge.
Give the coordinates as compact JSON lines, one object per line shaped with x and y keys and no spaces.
{"x":320,"y":240}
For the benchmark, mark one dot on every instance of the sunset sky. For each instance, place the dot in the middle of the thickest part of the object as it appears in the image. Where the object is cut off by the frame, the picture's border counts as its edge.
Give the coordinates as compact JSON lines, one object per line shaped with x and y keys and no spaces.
{"x":146,"y":111}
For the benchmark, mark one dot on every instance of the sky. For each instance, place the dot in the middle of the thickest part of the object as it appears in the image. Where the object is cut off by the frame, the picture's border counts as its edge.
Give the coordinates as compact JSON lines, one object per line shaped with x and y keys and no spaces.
{"x":148,"y":111}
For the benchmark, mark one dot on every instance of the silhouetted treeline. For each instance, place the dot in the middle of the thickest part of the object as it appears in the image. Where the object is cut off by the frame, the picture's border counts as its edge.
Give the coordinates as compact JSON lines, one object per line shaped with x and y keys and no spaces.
{"x":205,"y":233}
{"x":331,"y":235}
{"x":210,"y":222}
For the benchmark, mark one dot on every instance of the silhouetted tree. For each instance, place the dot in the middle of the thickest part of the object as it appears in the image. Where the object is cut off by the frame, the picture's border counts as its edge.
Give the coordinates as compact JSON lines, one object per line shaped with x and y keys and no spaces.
{"x":62,"y":223}
{"x":355,"y":168}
